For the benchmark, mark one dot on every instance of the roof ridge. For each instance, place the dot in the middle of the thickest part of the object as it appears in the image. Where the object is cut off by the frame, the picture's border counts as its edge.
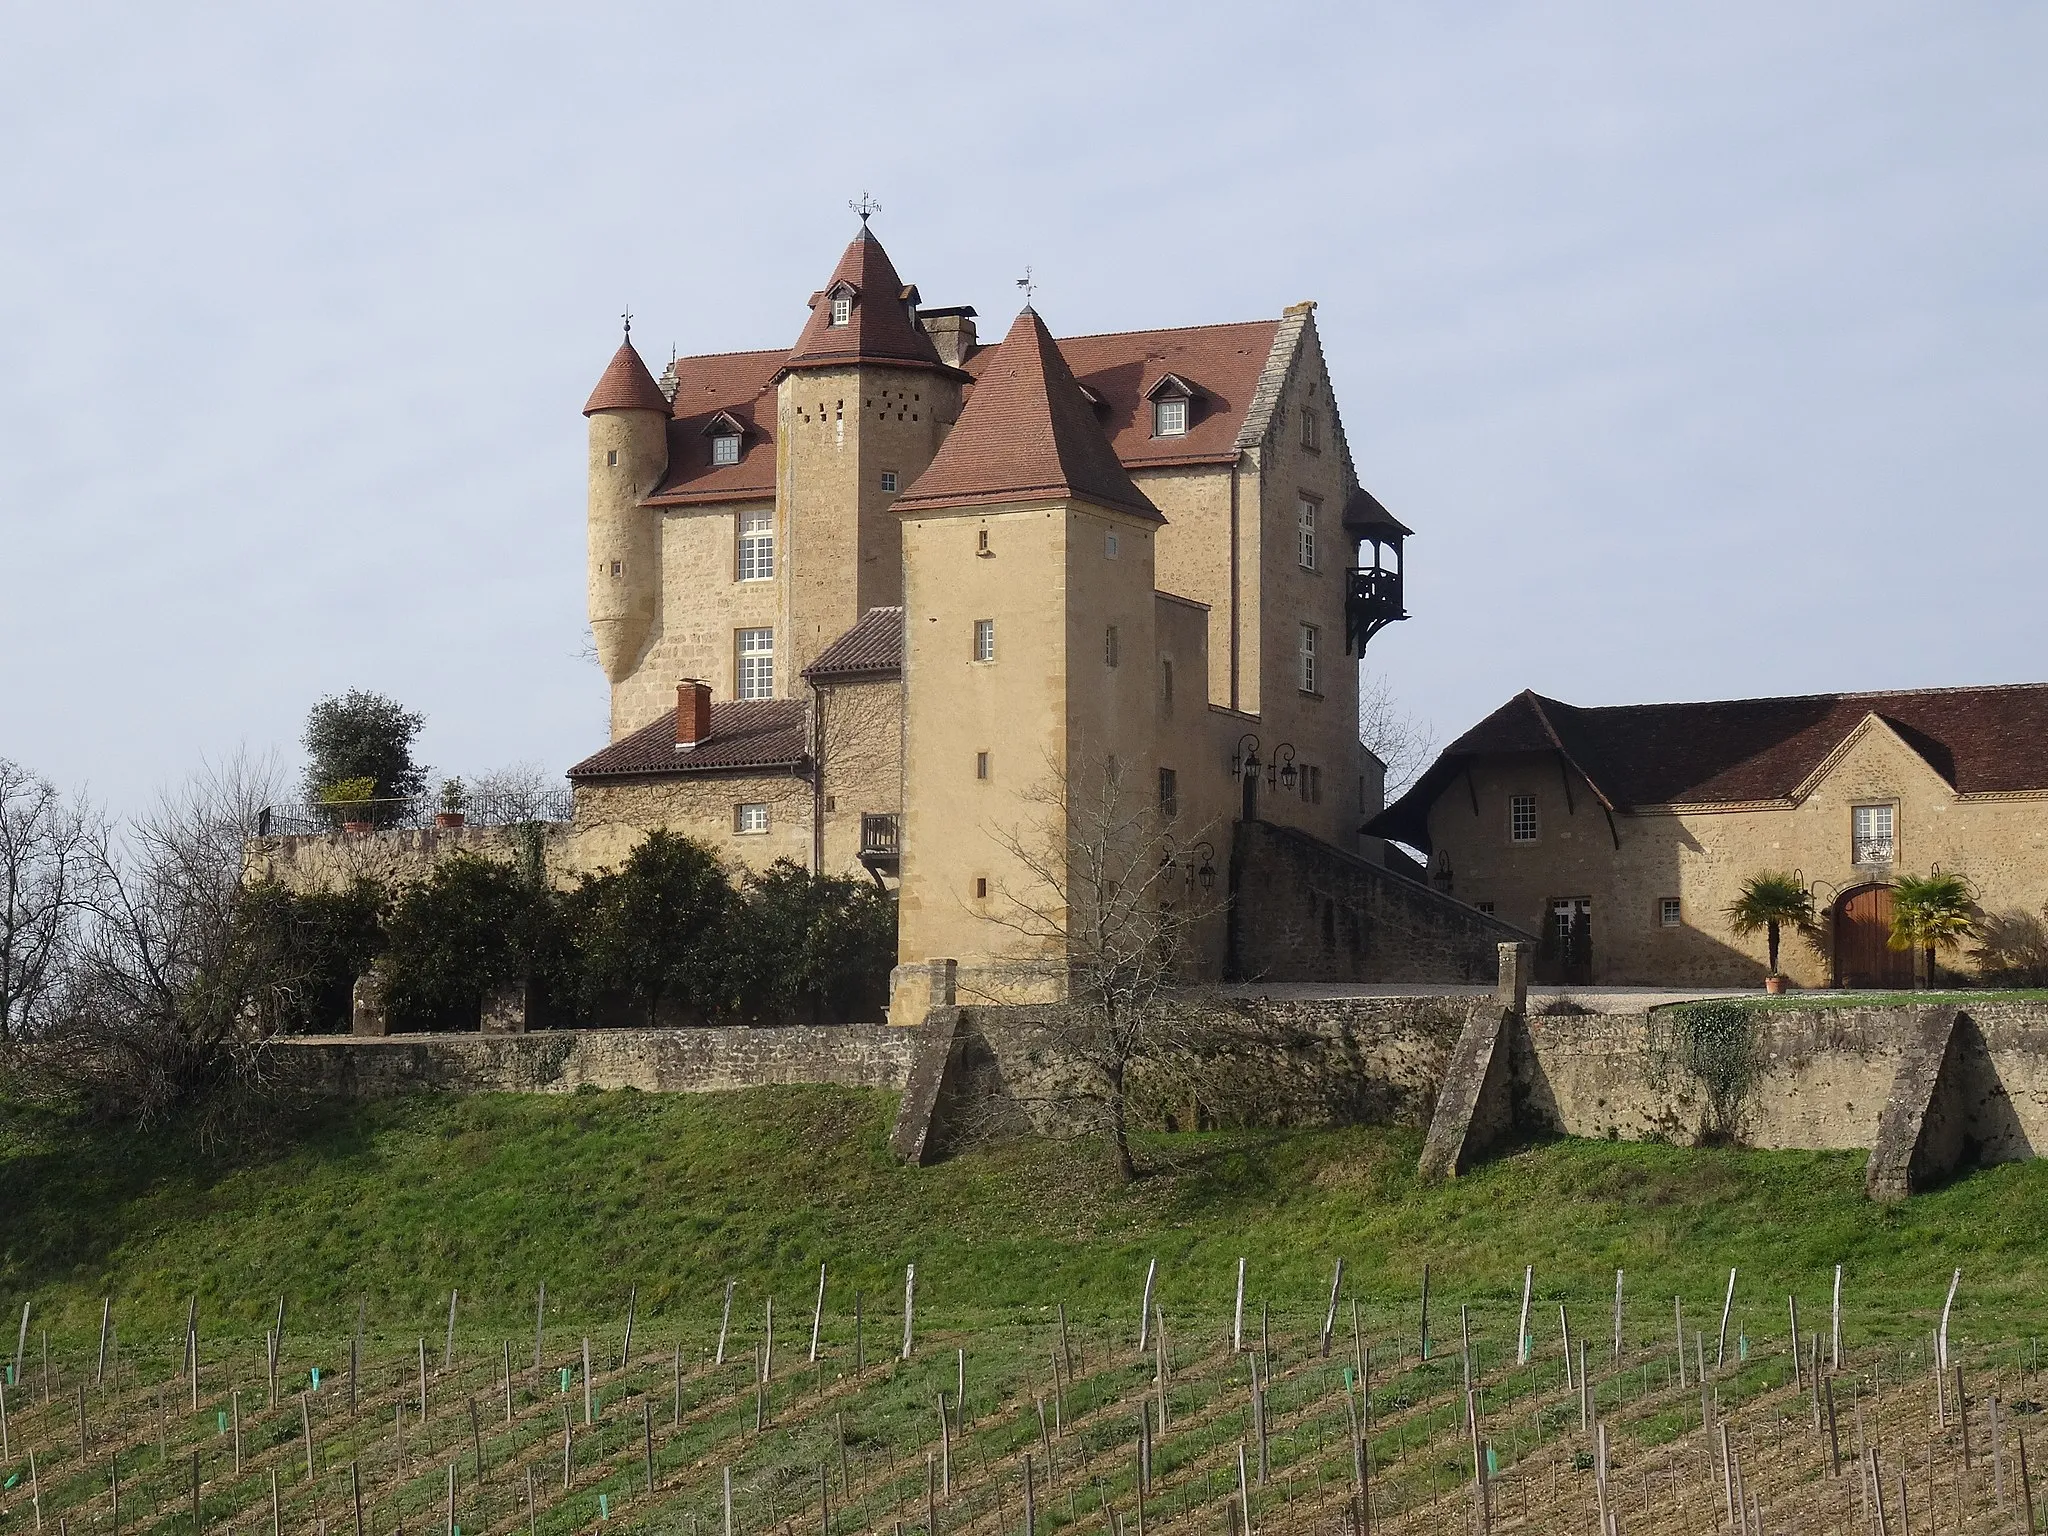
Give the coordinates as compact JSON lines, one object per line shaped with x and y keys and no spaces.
{"x":1158,"y":330}
{"x":1807,"y":698}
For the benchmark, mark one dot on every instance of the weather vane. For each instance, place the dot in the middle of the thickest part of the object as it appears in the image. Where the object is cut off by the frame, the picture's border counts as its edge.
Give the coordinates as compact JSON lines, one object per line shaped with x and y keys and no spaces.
{"x":627,"y":316}
{"x":866,"y":207}
{"x":1027,"y":285}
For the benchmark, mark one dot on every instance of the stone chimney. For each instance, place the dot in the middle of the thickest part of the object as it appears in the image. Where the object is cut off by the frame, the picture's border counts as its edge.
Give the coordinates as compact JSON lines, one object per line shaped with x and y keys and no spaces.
{"x":952,"y":332}
{"x":693,"y":713}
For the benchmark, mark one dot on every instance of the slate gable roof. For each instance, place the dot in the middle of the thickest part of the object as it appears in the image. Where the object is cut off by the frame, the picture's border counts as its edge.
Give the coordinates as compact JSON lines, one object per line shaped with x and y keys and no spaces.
{"x":1027,"y":433}
{"x":745,"y":733}
{"x":1746,"y":751}
{"x":872,"y":648}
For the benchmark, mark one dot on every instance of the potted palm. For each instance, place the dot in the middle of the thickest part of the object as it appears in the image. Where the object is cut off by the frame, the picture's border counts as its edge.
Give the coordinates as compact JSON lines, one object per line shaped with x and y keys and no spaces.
{"x":454,"y":796}
{"x":1772,"y":902}
{"x":1931,"y":913}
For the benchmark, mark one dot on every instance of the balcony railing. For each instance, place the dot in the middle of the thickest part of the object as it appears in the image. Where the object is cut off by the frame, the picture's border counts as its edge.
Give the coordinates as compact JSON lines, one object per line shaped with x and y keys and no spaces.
{"x":415,"y":812}
{"x":1372,"y":601}
{"x":880,"y":836}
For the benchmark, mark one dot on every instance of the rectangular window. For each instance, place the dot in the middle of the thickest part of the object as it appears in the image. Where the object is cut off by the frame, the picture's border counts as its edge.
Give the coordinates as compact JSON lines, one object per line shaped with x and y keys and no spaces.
{"x":1870,"y":828}
{"x":1667,"y":912}
{"x":1169,"y":793}
{"x":1109,"y":546}
{"x":981,"y":765}
{"x":1522,"y":819}
{"x":1305,"y":534}
{"x":1310,"y":677}
{"x":842,"y":311}
{"x":757,"y":546}
{"x":888,"y":479}
{"x":1484,"y":906}
{"x":1110,"y":649}
{"x":1170,"y":417}
{"x":611,"y":458}
{"x":1311,"y":430}
{"x":1312,"y":784}
{"x":757,"y":663}
{"x":981,"y":887}
{"x":1166,"y":683}
{"x":984,"y":639}
{"x":725,"y":449}
{"x":750,"y":816}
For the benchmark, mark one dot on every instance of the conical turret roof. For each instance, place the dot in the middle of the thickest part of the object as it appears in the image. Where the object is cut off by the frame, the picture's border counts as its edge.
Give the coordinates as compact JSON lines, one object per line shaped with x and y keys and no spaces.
{"x":878,"y":329}
{"x":626,"y":386}
{"x":1027,"y":433}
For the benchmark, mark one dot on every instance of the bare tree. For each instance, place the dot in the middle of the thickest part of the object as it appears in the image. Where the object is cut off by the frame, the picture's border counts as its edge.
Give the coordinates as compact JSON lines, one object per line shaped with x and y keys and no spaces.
{"x":518,"y":792}
{"x":172,"y":1000}
{"x":1109,"y":903}
{"x":45,"y":880}
{"x":1391,"y":733}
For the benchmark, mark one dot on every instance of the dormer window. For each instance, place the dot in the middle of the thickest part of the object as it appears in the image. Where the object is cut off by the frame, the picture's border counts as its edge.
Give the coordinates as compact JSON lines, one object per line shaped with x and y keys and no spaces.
{"x":726,"y":436}
{"x":1172,"y":406}
{"x":842,"y":310}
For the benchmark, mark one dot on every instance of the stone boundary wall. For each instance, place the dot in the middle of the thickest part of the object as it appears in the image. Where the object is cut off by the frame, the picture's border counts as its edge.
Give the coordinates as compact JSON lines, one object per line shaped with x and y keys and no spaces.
{"x":1306,"y":911}
{"x":652,"y":1060}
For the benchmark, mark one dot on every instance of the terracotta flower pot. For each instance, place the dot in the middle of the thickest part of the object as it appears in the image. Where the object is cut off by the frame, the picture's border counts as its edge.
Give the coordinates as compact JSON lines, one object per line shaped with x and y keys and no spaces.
{"x":1775,"y":985}
{"x":447,"y":819}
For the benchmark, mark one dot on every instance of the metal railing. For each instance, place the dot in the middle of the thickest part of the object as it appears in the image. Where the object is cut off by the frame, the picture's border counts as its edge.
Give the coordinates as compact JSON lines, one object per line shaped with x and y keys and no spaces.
{"x":415,"y":812}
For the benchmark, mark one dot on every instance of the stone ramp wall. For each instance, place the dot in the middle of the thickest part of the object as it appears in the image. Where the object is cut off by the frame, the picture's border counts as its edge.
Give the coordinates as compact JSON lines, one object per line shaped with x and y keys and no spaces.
{"x":1307,"y":911}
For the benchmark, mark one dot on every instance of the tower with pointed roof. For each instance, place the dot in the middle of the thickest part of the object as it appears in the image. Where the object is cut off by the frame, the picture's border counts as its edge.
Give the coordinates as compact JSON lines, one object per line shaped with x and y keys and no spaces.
{"x":1030,"y":637}
{"x":862,"y":403}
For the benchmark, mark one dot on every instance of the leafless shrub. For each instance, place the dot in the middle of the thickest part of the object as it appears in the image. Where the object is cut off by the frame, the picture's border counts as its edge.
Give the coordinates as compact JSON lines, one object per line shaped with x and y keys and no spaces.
{"x":171,"y":1002}
{"x":1109,"y":903}
{"x":1396,"y":737}
{"x":45,"y":880}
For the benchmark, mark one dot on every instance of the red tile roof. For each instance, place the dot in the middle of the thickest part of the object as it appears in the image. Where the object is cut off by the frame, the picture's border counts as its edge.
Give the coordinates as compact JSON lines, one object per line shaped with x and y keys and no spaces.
{"x":1027,"y":432}
{"x":740,"y":384}
{"x":880,"y":330}
{"x":626,"y":386}
{"x":1223,"y":362}
{"x":872,"y":648}
{"x":745,"y":733}
{"x":1738,"y":751}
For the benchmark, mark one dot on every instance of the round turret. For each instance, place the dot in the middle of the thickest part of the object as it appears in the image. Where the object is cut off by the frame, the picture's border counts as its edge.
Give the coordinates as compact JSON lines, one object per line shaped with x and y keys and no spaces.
{"x":628,"y":417}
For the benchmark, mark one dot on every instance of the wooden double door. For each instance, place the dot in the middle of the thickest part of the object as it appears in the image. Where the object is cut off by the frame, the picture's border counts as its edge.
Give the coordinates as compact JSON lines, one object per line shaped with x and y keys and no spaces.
{"x":1864,"y":957}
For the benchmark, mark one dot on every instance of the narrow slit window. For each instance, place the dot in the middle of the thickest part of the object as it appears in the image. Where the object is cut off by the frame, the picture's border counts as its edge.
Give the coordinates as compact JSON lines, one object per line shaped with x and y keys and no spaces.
{"x":1305,"y":533}
{"x":1310,"y":673}
{"x":1169,"y":793}
{"x":1111,"y":648}
{"x":981,"y":765}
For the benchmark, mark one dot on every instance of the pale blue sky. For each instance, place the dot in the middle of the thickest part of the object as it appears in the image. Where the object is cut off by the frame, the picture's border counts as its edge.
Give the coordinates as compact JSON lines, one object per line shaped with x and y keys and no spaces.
{"x":1705,"y":346}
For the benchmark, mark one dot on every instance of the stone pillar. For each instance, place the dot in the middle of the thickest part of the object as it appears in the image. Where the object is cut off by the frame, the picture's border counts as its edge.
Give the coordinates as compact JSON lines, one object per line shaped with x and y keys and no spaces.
{"x":945,"y":983}
{"x":367,"y":1012}
{"x":917,"y":986}
{"x":506,"y":1009}
{"x":1517,"y":961}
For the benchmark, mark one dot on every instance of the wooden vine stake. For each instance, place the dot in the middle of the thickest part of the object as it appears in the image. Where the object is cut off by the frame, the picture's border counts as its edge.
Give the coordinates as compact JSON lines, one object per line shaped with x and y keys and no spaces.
{"x":1145,"y":1306}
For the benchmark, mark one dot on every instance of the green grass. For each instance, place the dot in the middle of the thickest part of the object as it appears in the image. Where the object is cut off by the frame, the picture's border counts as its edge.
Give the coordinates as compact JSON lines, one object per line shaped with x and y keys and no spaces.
{"x":398,"y":1203}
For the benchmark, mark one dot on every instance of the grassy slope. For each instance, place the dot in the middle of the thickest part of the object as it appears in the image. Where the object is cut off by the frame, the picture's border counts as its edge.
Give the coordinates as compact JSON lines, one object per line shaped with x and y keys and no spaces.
{"x":402,"y":1201}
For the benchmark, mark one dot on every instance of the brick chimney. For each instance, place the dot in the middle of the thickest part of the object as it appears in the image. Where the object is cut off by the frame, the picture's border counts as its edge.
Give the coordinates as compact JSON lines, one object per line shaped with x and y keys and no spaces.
{"x":952,"y":332}
{"x":693,"y":713}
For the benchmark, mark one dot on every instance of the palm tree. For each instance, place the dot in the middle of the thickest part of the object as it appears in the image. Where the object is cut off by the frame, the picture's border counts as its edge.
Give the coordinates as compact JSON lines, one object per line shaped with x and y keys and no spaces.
{"x":1932,"y":912}
{"x":1773,"y":902}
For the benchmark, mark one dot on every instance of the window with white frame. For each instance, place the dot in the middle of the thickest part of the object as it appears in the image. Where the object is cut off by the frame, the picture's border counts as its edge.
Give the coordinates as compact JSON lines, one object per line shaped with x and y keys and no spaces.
{"x":1870,"y":830}
{"x":1110,"y":546}
{"x":888,"y":479}
{"x":1668,"y":912}
{"x":757,"y":546}
{"x":1310,"y":670}
{"x":725,"y":448}
{"x":1170,"y":417}
{"x":984,"y":639}
{"x":1522,"y":819}
{"x":842,"y":310}
{"x":1305,"y":533}
{"x":757,"y":663}
{"x":750,"y":816}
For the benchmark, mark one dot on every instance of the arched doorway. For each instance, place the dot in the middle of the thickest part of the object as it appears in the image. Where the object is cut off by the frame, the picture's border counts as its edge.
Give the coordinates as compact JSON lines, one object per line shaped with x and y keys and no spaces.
{"x":1863,"y":930}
